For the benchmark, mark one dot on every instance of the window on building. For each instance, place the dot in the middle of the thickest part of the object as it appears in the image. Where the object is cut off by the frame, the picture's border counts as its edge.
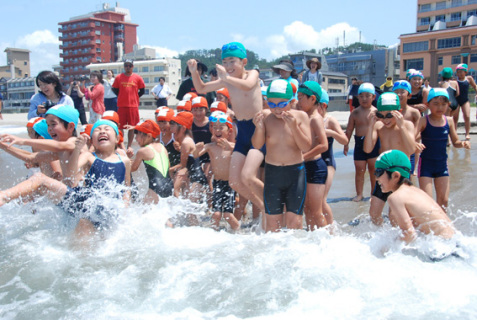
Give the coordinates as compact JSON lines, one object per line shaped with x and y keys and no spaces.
{"x":98,"y":50}
{"x":448,"y":43}
{"x":456,"y":3}
{"x":471,"y":1}
{"x":135,"y":69}
{"x":440,"y":61}
{"x":98,"y":41}
{"x":97,"y":23}
{"x":473,"y":57}
{"x":156,"y":79}
{"x":424,"y":21}
{"x":472,"y":12}
{"x":440,"y":5}
{"x":145,"y":69}
{"x":455,"y":59}
{"x":456,"y":16}
{"x":417,"y":64}
{"x":146,"y":80}
{"x":158,"y":68}
{"x":472,"y":40}
{"x":425,"y":7}
{"x":415,"y":46}
{"x":441,"y":17}
{"x":97,"y":32}
{"x":146,"y":91}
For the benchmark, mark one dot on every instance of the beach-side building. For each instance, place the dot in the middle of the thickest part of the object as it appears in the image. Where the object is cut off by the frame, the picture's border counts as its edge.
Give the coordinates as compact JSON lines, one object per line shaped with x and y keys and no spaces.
{"x":100,"y":36}
{"x":446,"y":35}
{"x":18,"y":63}
{"x":150,"y":70}
{"x":18,"y":92}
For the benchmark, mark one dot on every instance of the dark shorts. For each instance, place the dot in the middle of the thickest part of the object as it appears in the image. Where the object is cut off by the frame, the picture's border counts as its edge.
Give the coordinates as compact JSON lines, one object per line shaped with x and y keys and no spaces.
{"x":284,"y":185}
{"x":223,"y":199}
{"x":432,"y":168}
{"x":128,"y":116}
{"x":243,"y":142}
{"x":111,"y":104}
{"x":195,"y":171}
{"x":378,"y":193}
{"x":316,"y":171}
{"x":359,"y":154}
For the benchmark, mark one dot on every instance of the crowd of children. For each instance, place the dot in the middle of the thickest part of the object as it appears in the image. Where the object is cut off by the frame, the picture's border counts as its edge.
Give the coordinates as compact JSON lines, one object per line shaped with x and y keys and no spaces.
{"x":277,"y":154}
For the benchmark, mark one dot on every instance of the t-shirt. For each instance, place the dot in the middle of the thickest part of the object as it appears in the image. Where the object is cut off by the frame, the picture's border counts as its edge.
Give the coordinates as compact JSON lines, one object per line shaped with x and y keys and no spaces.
{"x":128,"y":89}
{"x":313,"y":76}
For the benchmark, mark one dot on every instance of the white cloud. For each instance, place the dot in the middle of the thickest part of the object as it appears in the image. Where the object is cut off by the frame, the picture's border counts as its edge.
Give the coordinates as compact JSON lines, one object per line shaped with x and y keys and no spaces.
{"x":251,"y":41}
{"x":299,"y":36}
{"x":44,"y":47}
{"x":162,"y":52}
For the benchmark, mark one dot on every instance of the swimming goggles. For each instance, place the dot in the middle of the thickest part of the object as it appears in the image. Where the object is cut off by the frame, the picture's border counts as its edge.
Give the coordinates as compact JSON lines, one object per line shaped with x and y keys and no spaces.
{"x":219,"y":119}
{"x":380,"y":116}
{"x":380,"y":171}
{"x":232,"y":47}
{"x":282,"y":104}
{"x":304,"y":86}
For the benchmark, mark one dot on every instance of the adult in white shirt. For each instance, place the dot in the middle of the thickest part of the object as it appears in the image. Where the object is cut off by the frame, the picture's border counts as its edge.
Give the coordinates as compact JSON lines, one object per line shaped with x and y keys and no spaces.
{"x":110,"y":98}
{"x":161,"y":93}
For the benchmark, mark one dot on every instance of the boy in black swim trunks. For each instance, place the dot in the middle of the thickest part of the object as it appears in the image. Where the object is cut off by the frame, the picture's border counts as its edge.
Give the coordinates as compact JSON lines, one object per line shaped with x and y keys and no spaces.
{"x":358,"y":120}
{"x":286,"y":133}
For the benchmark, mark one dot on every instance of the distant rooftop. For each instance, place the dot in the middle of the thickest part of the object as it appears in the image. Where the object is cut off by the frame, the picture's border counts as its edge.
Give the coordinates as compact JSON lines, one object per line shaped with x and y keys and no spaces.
{"x":16,"y":49}
{"x":106,"y":7}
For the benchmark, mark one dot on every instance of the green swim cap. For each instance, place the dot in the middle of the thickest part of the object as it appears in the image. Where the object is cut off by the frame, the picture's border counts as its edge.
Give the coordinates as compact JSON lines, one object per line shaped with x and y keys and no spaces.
{"x":280,"y":89}
{"x":388,"y":101}
{"x":311,"y":88}
{"x":234,"y":49}
{"x":447,"y":73}
{"x":394,"y":160}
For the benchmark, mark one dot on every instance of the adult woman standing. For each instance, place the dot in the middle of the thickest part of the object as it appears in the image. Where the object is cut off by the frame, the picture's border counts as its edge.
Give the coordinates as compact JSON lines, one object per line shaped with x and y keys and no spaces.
{"x":313,"y":73}
{"x":96,"y":94}
{"x":76,"y":92}
{"x":110,"y":99}
{"x":51,"y":93}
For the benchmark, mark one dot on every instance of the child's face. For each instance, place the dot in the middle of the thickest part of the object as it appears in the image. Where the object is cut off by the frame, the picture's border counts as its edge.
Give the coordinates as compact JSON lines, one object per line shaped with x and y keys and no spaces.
{"x":174,"y":127}
{"x":322,"y":109}
{"x":57,"y":129}
{"x":234,"y":66}
{"x":385,"y":182}
{"x":461,"y":74}
{"x":438,"y":106}
{"x":199,"y":113}
{"x":224,"y":99}
{"x":402,"y":94}
{"x":104,"y":138}
{"x":164,"y":126}
{"x":277,"y":111}
{"x":366,"y":99}
{"x":220,"y":130}
{"x":416,"y":82}
{"x":142,"y":139}
{"x":386,"y":117}
{"x":305,"y":102}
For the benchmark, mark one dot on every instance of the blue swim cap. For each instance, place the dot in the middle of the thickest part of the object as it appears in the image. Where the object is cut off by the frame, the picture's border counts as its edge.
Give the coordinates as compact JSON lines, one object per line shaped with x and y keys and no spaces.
{"x":436,"y":92}
{"x":41,"y":127}
{"x":367,"y":87}
{"x":234,"y":49}
{"x":105,"y":123}
{"x":325,"y":98}
{"x":402,"y":84}
{"x":416,"y":74}
{"x":64,"y":112}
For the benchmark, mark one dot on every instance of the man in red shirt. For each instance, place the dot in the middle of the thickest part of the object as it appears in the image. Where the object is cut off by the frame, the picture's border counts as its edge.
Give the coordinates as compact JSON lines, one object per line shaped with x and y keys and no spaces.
{"x":128,"y":86}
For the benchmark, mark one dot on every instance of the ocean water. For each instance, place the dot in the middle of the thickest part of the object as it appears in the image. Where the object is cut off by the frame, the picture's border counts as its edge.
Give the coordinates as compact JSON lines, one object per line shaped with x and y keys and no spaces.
{"x":142,"y":270}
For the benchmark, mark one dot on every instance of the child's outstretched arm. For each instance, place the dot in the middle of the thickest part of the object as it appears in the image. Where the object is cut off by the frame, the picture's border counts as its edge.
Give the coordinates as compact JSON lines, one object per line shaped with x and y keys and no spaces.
{"x":30,"y":157}
{"x":372,"y":133}
{"x":334,"y":130}
{"x":247,"y":84}
{"x":43,"y":144}
{"x":199,"y":85}
{"x":454,"y":137}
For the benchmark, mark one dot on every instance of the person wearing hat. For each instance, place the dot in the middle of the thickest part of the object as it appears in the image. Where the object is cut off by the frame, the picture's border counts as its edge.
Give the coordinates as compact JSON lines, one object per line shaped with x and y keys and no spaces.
{"x":129,"y":87}
{"x":188,"y":85}
{"x":452,"y":88}
{"x":286,"y":70}
{"x":388,"y":125}
{"x":388,"y":85}
{"x":286,"y":133}
{"x":411,"y":209}
{"x":313,"y":73}
{"x":156,"y":161}
{"x":353,"y":88}
{"x":418,"y":94}
{"x":464,"y":82}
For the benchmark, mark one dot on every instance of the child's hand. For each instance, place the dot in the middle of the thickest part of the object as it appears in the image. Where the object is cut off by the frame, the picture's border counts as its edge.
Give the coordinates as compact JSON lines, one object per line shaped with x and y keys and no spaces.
{"x":30,"y":165}
{"x":466,"y":144}
{"x":128,"y":127}
{"x":177,"y":146}
{"x":225,"y":144}
{"x":40,"y":109}
{"x":199,"y":146}
{"x":81,"y":141}
{"x":258,"y":120}
{"x":420,"y":147}
{"x":372,"y":118}
{"x":130,"y":152}
{"x":221,"y":72}
{"x":192,"y":64}
{"x":345,"y":150}
{"x":12,"y":139}
{"x":289,"y":118}
{"x":399,"y":118}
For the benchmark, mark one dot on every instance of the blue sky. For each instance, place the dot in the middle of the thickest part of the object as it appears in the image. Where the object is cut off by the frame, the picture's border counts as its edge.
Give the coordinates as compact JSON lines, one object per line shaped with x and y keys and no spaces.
{"x":269,"y":28}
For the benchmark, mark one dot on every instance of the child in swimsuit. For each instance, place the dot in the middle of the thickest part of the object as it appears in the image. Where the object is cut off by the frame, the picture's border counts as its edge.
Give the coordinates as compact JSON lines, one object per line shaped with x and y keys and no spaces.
{"x":287,"y":135}
{"x":105,"y":169}
{"x":163,"y":117}
{"x":154,"y":156}
{"x":333,"y":132}
{"x":309,"y":94}
{"x":435,"y":130}
{"x":358,"y":120}
{"x":464,"y":82}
